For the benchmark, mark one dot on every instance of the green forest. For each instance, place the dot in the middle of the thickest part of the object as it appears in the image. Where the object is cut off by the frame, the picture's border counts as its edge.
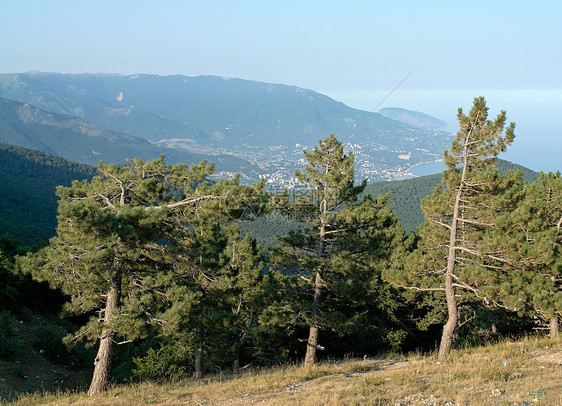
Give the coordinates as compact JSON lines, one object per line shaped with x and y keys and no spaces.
{"x":159,"y":276}
{"x":28,"y":201}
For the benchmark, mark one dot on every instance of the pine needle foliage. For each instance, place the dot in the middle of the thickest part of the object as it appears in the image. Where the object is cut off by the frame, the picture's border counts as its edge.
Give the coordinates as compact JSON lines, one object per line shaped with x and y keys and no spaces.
{"x":451,"y":259}
{"x":333,"y":266}
{"x":120,"y":250}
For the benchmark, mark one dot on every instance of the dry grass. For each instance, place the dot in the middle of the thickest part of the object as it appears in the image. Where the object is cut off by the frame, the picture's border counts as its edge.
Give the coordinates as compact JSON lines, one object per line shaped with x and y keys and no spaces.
{"x":499,"y":374}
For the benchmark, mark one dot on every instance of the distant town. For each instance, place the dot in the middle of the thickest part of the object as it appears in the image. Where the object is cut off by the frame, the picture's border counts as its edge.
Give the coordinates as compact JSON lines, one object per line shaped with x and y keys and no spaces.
{"x":279,"y":163}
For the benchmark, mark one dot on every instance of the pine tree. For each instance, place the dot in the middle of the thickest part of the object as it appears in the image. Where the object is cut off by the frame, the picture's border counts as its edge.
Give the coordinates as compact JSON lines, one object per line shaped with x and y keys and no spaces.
{"x":120,"y":253}
{"x":224,"y":270}
{"x":450,"y":257}
{"x":340,"y":249}
{"x":531,"y":236}
{"x":235,"y":289}
{"x":227,"y":274}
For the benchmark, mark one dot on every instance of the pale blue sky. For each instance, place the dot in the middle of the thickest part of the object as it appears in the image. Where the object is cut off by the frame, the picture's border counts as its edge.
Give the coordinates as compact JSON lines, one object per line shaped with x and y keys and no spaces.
{"x":508,"y":51}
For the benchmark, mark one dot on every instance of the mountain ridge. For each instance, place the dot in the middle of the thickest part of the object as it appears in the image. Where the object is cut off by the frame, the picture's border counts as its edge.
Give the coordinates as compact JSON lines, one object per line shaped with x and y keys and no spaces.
{"x":72,"y":138}
{"x":413,"y":118}
{"x":263,"y":123}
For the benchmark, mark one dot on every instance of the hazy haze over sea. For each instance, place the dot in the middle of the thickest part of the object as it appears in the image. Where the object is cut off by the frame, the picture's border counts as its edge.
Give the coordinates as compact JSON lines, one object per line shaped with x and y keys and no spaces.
{"x":536,"y":113}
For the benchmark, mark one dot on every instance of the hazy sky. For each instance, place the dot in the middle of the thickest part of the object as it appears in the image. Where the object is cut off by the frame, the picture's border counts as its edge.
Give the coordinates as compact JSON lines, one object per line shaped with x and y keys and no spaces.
{"x":508,"y":51}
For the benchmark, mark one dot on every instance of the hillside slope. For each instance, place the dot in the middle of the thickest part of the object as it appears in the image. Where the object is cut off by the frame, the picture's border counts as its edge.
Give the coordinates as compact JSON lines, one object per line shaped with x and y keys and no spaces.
{"x":508,"y":373}
{"x":72,"y":138}
{"x":407,"y":194}
{"x":28,"y":204}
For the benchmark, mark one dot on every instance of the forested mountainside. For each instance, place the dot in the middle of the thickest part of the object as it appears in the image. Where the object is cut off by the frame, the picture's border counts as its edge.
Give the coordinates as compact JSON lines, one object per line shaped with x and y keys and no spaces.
{"x":407,"y":194}
{"x":72,"y":138}
{"x":28,"y":203}
{"x":242,"y":111}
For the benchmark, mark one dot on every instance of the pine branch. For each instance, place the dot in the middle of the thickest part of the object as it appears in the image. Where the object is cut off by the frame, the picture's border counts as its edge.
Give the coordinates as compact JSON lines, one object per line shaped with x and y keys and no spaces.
{"x":473,"y":262}
{"x":184,"y":202}
{"x":104,"y":198}
{"x":434,"y":220}
{"x":464,"y":286}
{"x":416,"y":288}
{"x":467,"y":320}
{"x":475,"y":222}
{"x":120,"y":182}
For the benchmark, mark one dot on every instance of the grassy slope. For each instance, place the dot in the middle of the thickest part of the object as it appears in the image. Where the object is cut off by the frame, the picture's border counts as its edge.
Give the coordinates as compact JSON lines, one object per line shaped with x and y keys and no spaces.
{"x":29,"y":368}
{"x":498,"y":374}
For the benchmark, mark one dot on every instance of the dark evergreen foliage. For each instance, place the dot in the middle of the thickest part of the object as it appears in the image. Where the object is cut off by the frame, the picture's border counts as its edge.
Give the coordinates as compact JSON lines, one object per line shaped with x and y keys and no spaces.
{"x":332,"y":268}
{"x":406,"y":195}
{"x":196,"y":294}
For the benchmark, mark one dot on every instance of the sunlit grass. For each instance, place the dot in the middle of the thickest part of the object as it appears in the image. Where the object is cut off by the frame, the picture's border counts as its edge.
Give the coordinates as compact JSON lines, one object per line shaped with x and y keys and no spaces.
{"x":503,"y":373}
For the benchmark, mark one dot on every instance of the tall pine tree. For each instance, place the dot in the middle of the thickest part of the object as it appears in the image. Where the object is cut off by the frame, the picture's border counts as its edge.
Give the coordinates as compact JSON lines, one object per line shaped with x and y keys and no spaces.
{"x":451,"y":257}
{"x":531,"y":237}
{"x":340,"y":250}
{"x":119,"y":252}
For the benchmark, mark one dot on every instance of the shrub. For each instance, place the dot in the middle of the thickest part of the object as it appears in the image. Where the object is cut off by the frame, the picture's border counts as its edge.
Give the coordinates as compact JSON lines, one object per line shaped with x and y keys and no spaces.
{"x":48,"y":340}
{"x":8,"y":331}
{"x":169,"y":362}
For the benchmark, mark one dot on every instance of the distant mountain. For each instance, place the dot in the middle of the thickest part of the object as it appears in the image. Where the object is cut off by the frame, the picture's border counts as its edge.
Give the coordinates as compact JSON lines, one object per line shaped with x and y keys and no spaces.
{"x":74,"y":139}
{"x":234,"y":110}
{"x":28,"y":204}
{"x":266,"y":124}
{"x":413,"y":118}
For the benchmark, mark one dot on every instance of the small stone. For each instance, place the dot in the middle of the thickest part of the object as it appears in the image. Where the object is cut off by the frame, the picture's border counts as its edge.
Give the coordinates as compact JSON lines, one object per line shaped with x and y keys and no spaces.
{"x":496,"y":393}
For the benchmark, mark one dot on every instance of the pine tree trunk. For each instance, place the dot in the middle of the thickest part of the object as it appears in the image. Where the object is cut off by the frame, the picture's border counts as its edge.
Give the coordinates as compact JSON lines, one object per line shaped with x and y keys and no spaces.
{"x":198,"y":374}
{"x":312,"y":342}
{"x":102,"y":370}
{"x":238,"y":351}
{"x":451,"y":325}
{"x":554,"y":327}
{"x":236,"y":365}
{"x":311,"y":346}
{"x":452,"y":307}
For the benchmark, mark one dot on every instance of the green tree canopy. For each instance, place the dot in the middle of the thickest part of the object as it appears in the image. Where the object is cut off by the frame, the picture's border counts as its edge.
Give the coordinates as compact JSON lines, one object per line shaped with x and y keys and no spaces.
{"x":335,"y":261}
{"x":531,"y":237}
{"x":451,"y":257}
{"x":119,"y":252}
